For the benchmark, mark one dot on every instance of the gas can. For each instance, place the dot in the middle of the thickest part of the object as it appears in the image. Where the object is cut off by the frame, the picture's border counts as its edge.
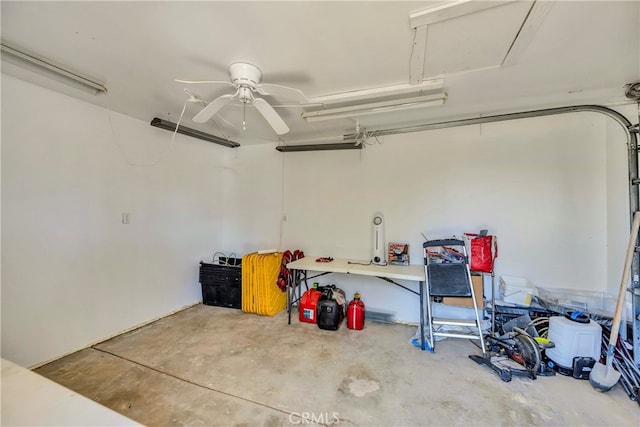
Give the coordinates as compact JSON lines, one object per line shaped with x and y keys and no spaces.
{"x":330,"y":314}
{"x":308,"y":304}
{"x":355,"y":313}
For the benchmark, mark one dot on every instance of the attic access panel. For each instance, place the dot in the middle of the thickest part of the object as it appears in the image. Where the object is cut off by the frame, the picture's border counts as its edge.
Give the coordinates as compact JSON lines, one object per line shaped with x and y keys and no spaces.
{"x":464,"y":36}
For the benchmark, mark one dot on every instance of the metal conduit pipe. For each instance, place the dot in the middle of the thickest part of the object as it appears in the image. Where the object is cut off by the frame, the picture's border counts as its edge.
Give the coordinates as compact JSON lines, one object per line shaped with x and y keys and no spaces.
{"x":632,"y":155}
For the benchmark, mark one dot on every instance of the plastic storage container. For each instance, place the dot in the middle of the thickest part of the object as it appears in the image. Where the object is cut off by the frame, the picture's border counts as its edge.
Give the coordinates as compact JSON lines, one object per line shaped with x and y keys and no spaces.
{"x":221,"y":285}
{"x":573,"y":339}
{"x":593,"y":302}
{"x":516,"y":290}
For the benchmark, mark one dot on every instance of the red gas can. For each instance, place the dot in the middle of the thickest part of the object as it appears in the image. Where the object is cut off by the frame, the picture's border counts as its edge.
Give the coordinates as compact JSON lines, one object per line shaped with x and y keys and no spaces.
{"x":355,"y":313}
{"x":308,"y":303}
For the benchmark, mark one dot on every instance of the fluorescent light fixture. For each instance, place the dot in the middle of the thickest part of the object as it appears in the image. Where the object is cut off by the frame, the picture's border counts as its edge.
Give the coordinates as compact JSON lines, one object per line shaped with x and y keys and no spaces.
{"x":317,"y":140}
{"x":318,"y":147}
{"x":375,"y":108}
{"x":379,"y":92}
{"x":170,"y":126}
{"x":49,"y":69}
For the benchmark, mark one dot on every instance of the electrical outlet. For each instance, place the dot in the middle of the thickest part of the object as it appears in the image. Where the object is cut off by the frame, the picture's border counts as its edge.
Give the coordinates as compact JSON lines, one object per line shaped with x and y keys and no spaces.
{"x":126,"y":218}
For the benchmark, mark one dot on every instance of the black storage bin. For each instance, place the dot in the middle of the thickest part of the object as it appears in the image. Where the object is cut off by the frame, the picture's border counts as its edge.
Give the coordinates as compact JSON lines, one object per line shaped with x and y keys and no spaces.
{"x":221,"y":285}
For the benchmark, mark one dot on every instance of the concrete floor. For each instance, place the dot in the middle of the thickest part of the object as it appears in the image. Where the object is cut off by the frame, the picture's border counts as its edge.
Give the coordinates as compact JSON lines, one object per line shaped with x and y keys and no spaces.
{"x":209,"y":366}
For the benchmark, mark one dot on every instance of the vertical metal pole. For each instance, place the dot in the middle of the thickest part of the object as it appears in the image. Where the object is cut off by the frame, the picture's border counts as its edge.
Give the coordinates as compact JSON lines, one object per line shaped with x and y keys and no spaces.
{"x":423,"y":346}
{"x":289,"y":303}
{"x":634,"y":206}
{"x":493,"y":301}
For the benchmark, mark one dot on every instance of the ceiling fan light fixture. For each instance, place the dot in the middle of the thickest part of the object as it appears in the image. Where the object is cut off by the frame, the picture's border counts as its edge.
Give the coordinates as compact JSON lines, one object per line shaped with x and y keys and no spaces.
{"x":375,"y":108}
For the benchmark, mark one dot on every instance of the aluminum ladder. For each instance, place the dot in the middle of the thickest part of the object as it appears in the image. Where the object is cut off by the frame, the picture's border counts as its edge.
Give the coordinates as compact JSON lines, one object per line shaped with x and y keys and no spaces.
{"x":448,"y":274}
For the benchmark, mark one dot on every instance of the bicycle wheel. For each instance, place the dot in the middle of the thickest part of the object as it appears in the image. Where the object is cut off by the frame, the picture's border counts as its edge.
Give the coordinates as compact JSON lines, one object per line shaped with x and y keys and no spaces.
{"x":528,"y":349}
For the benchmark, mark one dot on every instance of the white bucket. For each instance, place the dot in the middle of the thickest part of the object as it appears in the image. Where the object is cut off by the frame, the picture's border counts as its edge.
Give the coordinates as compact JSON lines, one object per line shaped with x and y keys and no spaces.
{"x":573,"y":339}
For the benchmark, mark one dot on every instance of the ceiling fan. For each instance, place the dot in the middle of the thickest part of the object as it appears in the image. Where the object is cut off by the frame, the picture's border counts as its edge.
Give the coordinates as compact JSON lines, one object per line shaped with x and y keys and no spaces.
{"x":246,"y":80}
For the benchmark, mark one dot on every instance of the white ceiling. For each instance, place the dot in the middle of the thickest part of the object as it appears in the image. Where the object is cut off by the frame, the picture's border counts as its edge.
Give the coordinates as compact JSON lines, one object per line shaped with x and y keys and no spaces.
{"x":509,"y":57}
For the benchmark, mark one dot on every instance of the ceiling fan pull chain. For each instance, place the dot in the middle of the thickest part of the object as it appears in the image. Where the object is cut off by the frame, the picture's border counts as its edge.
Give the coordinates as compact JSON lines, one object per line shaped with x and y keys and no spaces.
{"x":244,"y":116}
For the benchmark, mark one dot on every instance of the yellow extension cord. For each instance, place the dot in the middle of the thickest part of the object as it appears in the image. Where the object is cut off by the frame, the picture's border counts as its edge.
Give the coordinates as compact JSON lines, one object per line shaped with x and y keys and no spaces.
{"x":260,"y":293}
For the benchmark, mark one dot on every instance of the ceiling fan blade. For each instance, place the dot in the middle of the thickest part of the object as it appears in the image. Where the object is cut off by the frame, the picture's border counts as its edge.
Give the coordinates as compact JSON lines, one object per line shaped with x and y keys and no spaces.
{"x":218,"y":119}
{"x":282,"y":91}
{"x":221,"y":82}
{"x":270,"y":115}
{"x":212,"y":108}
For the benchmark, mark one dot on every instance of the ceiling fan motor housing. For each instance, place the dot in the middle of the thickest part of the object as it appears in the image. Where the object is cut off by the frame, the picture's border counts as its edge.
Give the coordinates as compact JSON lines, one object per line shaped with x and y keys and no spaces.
{"x":244,"y":74}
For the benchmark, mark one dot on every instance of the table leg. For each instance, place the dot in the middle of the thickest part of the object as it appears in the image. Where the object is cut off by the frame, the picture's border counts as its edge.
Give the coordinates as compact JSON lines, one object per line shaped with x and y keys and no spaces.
{"x":422,"y":314}
{"x":289,"y":290}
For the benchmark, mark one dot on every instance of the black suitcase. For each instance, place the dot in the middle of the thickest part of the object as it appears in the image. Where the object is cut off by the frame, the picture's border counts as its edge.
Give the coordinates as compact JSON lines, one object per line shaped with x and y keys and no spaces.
{"x":330,"y":309}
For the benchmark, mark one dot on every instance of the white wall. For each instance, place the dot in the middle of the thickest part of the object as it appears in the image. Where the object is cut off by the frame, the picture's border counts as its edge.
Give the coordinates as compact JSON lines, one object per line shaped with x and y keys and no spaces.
{"x":254,"y":200}
{"x":72,"y":273}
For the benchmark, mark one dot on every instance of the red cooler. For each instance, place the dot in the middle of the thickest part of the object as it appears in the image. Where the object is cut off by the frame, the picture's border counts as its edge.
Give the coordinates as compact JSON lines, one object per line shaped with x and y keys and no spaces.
{"x":355,"y":313}
{"x":308,"y":304}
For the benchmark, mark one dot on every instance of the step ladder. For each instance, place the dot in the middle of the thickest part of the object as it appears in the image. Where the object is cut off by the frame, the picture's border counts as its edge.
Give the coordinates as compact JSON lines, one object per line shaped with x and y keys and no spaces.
{"x":448,"y":274}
